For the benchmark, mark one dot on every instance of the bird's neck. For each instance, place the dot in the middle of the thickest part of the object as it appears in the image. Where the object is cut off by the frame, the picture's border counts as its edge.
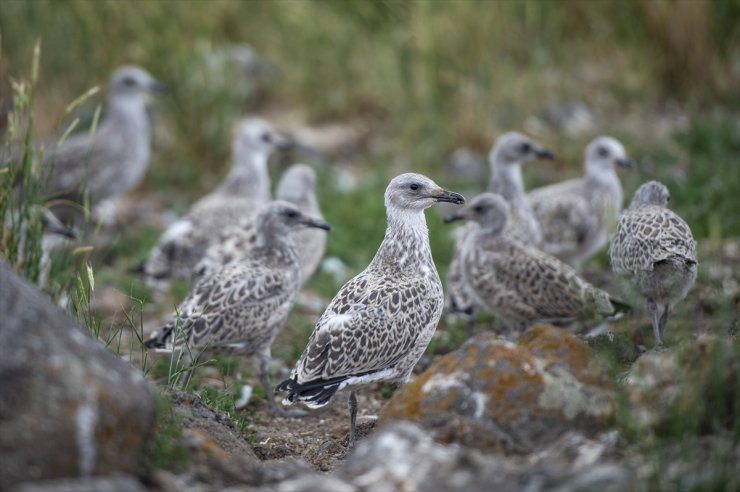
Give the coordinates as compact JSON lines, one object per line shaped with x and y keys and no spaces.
{"x":129,"y":116}
{"x":601,"y":176}
{"x":248,"y":176}
{"x":506,"y":180}
{"x":406,"y":243}
{"x":275,"y":248}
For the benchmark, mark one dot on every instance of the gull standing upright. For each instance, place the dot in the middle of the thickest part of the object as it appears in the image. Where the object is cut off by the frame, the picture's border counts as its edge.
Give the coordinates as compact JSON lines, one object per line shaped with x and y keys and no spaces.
{"x":508,"y":153}
{"x":654,"y":247}
{"x":381,"y":321}
{"x":239,"y":197}
{"x":576,"y":215}
{"x":242,"y":307}
{"x":297,"y":186}
{"x":518,"y":282}
{"x":114,"y":159}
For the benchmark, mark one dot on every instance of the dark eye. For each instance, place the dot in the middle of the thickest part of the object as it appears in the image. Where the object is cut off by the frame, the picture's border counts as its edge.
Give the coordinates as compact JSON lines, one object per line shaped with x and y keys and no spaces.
{"x":525,"y":147}
{"x":668,"y":198}
{"x":266,"y":137}
{"x":479,"y":209}
{"x":414,"y":186}
{"x":291,"y":214}
{"x":129,"y":81}
{"x":602,"y":152}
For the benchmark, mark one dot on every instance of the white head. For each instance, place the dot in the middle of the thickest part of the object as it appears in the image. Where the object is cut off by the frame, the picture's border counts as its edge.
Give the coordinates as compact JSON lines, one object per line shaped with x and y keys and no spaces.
{"x":416,"y":192}
{"x":489,"y":210}
{"x":515,"y":148}
{"x":297,"y":183}
{"x":603,"y":153}
{"x":132,"y":85}
{"x":257,"y":136}
{"x":651,"y":193}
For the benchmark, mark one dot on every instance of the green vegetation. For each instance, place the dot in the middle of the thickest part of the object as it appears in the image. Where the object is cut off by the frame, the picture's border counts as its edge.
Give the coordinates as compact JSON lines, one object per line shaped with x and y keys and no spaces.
{"x":426,"y":77}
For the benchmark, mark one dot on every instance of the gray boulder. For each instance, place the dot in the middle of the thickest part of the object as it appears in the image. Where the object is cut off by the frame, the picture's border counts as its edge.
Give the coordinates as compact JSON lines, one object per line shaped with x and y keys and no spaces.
{"x":68,"y":406}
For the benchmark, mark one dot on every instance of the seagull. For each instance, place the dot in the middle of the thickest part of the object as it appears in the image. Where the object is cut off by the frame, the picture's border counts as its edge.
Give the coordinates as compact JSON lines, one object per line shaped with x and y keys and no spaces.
{"x":508,"y":153}
{"x":575,"y":216}
{"x":518,"y":282}
{"x":242,"y":307}
{"x":654,"y":247}
{"x":113,"y":160}
{"x":381,"y":321}
{"x":297,"y":186}
{"x":244,"y":191}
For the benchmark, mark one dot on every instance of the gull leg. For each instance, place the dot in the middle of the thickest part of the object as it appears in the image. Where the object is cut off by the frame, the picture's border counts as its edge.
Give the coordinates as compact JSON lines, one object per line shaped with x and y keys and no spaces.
{"x":663,"y":319}
{"x":352,"y":419}
{"x":275,"y":409}
{"x":653,"y":310}
{"x":471,"y":324}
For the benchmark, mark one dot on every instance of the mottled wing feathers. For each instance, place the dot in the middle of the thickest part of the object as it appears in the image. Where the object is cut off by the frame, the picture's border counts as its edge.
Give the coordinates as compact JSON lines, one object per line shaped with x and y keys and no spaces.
{"x":648,"y":235}
{"x":366,"y":329}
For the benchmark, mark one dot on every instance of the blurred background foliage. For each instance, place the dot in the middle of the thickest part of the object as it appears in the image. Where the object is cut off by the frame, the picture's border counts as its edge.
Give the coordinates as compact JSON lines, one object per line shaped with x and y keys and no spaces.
{"x":427,"y":76}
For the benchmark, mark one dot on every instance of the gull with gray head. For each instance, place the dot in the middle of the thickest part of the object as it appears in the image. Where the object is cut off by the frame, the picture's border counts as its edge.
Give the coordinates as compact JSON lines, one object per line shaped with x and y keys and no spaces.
{"x":242,"y":307}
{"x":576,"y":216}
{"x":654,"y":248}
{"x":518,"y":282}
{"x":297,"y":186}
{"x":114,"y":159}
{"x":381,"y":321}
{"x":239,"y":197}
{"x":508,"y":153}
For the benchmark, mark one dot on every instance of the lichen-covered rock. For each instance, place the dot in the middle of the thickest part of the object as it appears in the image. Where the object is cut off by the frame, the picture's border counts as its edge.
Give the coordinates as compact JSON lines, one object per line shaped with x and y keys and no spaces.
{"x":68,"y":406}
{"x":493,"y":394}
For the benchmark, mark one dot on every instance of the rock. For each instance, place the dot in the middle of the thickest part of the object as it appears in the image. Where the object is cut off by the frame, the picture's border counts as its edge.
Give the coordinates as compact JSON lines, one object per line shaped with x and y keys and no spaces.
{"x":403,"y":456}
{"x":68,"y":406}
{"x":125,"y":483}
{"x":495,"y":395}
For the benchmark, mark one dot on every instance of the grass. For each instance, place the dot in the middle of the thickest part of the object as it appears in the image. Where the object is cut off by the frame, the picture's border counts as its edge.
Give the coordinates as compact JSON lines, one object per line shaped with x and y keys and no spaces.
{"x":427,"y":77}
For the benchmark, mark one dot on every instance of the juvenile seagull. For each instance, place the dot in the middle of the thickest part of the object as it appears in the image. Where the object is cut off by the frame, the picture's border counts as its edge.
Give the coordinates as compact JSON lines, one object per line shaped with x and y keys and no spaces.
{"x":242,"y":307}
{"x":113,"y":160}
{"x":576,"y":215}
{"x":506,"y":157}
{"x":379,"y":323}
{"x":518,"y":282}
{"x":296,"y":186}
{"x":239,"y":197}
{"x":654,"y":247}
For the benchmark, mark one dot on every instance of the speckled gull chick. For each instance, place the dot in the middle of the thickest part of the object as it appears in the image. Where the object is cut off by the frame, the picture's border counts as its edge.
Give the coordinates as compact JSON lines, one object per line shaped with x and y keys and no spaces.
{"x":114,"y":159}
{"x":242,"y":307}
{"x":297,"y":186}
{"x":654,"y":247}
{"x":381,"y":321}
{"x":519,"y":283}
{"x":508,"y":153}
{"x":239,"y":197}
{"x":576,"y":215}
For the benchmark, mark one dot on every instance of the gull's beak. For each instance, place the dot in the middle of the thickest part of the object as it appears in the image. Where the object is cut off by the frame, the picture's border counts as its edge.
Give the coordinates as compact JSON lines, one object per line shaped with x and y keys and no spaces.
{"x":545,"y":154}
{"x":626,"y":162}
{"x":449,"y":196}
{"x":157,"y":87}
{"x":453,"y":218}
{"x":284,"y":143}
{"x":317,"y":223}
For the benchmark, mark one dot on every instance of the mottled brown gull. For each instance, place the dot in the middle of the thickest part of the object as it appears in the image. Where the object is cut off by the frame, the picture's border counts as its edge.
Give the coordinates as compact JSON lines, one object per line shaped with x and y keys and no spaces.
{"x":239,"y":197}
{"x":242,"y":307}
{"x":379,"y":323}
{"x":508,"y":153}
{"x":654,"y":247}
{"x":297,"y":186}
{"x":115,"y":158}
{"x":576,"y":215}
{"x":519,"y":283}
